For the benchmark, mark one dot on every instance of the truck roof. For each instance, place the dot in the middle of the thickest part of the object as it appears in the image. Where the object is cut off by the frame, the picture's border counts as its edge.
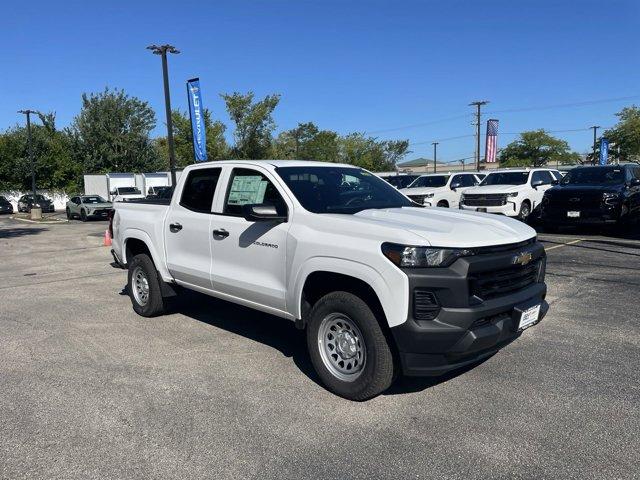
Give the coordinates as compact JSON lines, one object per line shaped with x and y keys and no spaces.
{"x":280,"y":163}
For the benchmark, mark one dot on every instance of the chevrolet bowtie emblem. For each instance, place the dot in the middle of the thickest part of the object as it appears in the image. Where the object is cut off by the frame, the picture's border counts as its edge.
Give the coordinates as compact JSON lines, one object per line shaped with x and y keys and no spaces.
{"x":522,"y":259}
{"x":574,"y":199}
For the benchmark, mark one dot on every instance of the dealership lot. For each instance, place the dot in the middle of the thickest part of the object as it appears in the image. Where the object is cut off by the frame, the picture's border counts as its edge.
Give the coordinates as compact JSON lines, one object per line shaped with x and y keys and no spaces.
{"x":90,"y":390}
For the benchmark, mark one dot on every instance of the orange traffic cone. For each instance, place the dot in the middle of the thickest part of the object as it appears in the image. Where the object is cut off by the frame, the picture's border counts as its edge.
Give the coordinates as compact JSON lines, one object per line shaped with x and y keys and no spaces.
{"x":107,"y":238}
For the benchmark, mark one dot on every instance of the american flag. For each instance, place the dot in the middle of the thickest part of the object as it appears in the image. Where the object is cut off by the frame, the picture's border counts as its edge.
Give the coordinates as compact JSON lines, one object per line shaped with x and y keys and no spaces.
{"x":492,"y":141}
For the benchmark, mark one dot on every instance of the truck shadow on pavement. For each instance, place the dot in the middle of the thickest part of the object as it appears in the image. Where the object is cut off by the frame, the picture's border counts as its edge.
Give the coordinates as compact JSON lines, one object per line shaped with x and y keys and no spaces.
{"x":15,"y":232}
{"x":281,"y":335}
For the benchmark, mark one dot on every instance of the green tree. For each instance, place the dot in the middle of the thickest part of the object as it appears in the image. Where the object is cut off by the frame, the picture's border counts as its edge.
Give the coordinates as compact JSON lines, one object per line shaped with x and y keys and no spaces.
{"x":254,"y":124}
{"x":55,"y":165}
{"x":369,"y":153}
{"x":626,"y":134}
{"x":537,"y":148}
{"x":217,"y":147}
{"x":307,"y":142}
{"x":111,"y":133}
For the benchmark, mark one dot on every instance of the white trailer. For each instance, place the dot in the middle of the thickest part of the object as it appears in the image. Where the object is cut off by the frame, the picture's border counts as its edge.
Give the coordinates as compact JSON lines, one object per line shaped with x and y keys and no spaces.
{"x":155,"y":179}
{"x":105,"y":184}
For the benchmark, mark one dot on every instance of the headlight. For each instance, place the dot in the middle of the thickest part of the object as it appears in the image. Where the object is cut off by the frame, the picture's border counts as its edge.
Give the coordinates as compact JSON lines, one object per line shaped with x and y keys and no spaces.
{"x":512,"y":194}
{"x":610,"y":198}
{"x":428,"y":195}
{"x":408,"y":256}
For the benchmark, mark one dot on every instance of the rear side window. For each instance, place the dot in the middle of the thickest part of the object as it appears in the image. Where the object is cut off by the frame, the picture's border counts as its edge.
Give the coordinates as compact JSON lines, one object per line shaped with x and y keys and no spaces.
{"x":464,"y":180}
{"x":199,"y":188}
{"x":252,"y":187}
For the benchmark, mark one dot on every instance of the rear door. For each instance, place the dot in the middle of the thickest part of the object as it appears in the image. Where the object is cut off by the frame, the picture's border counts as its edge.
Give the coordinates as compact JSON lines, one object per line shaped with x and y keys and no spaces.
{"x":187,"y":229}
{"x":249,"y":258}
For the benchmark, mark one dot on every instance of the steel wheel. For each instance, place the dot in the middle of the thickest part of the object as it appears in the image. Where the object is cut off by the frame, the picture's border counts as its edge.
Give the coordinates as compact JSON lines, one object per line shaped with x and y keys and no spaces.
{"x":341,"y":347}
{"x":140,"y":286}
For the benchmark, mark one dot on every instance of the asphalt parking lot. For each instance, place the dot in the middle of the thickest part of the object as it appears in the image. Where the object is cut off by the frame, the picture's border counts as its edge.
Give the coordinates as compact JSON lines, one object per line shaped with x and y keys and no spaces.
{"x":90,"y":390}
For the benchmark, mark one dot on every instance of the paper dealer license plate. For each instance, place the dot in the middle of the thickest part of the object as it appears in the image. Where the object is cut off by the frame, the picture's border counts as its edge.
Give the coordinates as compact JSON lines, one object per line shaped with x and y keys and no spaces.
{"x":529,"y":316}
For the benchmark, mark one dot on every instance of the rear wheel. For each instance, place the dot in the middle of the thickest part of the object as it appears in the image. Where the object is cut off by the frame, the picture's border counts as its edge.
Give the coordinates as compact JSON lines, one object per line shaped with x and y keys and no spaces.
{"x":347,"y":347}
{"x":144,"y":287}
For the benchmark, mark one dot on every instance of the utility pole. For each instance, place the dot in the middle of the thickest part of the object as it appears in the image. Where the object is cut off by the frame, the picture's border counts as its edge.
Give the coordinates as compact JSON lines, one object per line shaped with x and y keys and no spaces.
{"x":162,"y":50}
{"x":478,"y":104}
{"x":595,"y":129}
{"x":435,"y":155}
{"x":30,"y":149}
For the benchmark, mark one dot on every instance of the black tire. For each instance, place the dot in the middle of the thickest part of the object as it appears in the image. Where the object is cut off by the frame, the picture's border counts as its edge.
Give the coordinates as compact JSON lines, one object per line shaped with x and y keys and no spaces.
{"x":154,"y":304}
{"x":525,"y":211}
{"x":83,"y":215}
{"x":377,"y":372}
{"x":443,"y":204}
{"x":68,"y":214}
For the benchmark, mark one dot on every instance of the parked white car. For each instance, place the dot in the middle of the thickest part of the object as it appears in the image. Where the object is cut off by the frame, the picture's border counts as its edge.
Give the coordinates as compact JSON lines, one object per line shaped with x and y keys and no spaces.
{"x":510,"y":192}
{"x":441,"y":190}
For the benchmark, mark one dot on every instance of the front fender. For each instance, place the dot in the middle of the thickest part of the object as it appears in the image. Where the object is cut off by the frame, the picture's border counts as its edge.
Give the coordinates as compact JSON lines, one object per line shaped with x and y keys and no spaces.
{"x":391,"y":286}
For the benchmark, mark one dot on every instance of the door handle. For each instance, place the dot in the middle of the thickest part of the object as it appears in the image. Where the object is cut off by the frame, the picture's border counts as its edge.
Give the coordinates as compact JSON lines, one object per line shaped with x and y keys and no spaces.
{"x":175,"y":227}
{"x":220,"y":233}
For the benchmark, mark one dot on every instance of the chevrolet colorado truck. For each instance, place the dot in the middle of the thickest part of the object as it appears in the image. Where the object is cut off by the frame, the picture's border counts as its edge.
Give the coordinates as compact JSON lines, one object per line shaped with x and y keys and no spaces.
{"x":381,"y":285}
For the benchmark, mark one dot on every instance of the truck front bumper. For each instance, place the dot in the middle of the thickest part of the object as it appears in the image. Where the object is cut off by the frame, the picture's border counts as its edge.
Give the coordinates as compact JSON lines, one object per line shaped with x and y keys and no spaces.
{"x":465,"y":328}
{"x":510,"y":209}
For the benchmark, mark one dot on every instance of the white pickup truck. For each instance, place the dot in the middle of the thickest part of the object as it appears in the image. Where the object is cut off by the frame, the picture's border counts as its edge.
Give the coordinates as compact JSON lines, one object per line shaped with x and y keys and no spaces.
{"x":381,"y":285}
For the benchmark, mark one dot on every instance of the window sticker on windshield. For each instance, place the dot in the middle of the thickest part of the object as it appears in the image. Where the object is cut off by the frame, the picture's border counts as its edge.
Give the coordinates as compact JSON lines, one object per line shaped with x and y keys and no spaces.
{"x":247,"y":189}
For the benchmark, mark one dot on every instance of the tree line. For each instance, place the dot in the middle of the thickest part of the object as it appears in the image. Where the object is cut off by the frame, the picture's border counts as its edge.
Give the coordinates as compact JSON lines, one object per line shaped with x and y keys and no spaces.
{"x":112,"y":133}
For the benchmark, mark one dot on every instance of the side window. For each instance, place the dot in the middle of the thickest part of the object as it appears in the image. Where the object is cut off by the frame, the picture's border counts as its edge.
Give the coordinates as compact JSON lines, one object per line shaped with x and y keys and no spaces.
{"x":541,"y":175}
{"x":197,"y":194}
{"x":248,"y":186}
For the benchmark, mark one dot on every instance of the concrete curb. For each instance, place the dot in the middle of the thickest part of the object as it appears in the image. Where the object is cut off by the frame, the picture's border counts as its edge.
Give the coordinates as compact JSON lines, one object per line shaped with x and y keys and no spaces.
{"x":39,"y":222}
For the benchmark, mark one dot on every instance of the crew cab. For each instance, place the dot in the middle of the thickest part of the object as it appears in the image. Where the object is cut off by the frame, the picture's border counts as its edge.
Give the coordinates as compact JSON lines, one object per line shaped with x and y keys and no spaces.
{"x":510,"y":192}
{"x":440,"y":190}
{"x":380,"y":285}
{"x":593,"y":195}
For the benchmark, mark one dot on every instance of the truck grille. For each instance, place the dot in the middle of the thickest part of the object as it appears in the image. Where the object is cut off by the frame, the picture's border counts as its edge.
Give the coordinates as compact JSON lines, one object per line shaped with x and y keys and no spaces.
{"x":484,"y":199}
{"x":417,"y":198}
{"x":491,"y":284}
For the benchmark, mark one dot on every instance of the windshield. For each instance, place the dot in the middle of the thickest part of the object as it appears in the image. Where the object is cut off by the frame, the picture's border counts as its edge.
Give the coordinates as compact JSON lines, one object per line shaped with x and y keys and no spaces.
{"x":505,"y":178}
{"x":93,"y":199}
{"x":594,"y":176}
{"x":128,"y":190}
{"x":431,"y":181}
{"x":340,"y":189}
{"x":401,"y":181}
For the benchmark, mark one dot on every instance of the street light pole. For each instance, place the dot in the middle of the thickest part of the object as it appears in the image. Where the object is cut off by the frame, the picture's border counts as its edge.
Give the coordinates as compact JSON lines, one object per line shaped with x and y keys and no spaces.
{"x":595,"y":129}
{"x":162,"y":50}
{"x":435,"y":155}
{"x":478,"y":104}
{"x":30,"y":150}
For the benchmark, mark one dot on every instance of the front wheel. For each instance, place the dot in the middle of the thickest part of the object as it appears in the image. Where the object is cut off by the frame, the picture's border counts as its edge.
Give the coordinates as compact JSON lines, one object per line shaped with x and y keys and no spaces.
{"x":83,"y":215}
{"x":144,"y":287}
{"x":68,"y":214}
{"x":347,"y":347}
{"x":443,"y":204}
{"x":525,"y":211}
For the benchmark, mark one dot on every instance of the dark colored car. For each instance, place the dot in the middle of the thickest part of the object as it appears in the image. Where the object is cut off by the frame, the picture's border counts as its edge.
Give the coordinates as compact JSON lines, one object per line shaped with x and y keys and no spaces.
{"x":26,"y":202}
{"x":5,"y":205}
{"x":593,"y":195}
{"x":160,"y":192}
{"x":400,"y":181}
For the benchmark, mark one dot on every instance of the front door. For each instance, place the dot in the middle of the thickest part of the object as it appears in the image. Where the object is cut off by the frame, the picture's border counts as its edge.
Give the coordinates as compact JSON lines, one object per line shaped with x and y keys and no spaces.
{"x":546,"y":178}
{"x":187,"y":229}
{"x":249,"y":257}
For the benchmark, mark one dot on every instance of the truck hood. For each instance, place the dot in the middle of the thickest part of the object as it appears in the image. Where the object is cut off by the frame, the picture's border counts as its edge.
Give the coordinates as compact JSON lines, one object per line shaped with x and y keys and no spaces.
{"x":449,"y":228}
{"x":496,"y":189}
{"x":422,"y":190}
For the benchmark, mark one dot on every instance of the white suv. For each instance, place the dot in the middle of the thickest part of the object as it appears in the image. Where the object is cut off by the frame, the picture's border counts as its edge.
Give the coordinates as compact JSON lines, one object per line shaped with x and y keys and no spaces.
{"x":440,"y":190}
{"x":512,"y":192}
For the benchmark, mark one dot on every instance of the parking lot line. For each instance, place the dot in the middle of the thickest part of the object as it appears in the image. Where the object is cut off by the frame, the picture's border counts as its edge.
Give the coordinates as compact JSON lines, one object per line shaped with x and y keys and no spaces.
{"x":565,"y":244}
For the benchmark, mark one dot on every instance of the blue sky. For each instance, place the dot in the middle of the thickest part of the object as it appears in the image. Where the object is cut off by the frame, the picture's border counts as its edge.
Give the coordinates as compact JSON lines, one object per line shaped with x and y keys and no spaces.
{"x":369,"y":66}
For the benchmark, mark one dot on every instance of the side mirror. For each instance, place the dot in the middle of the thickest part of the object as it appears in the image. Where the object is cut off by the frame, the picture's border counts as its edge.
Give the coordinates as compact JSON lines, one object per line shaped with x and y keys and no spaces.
{"x":537,"y":183}
{"x":555,"y":182}
{"x":262,"y":212}
{"x":455,"y":185}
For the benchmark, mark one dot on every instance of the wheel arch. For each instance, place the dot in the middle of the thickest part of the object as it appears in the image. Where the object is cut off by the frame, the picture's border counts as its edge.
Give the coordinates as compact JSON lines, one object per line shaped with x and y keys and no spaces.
{"x":137,"y":241}
{"x":323,"y":275}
